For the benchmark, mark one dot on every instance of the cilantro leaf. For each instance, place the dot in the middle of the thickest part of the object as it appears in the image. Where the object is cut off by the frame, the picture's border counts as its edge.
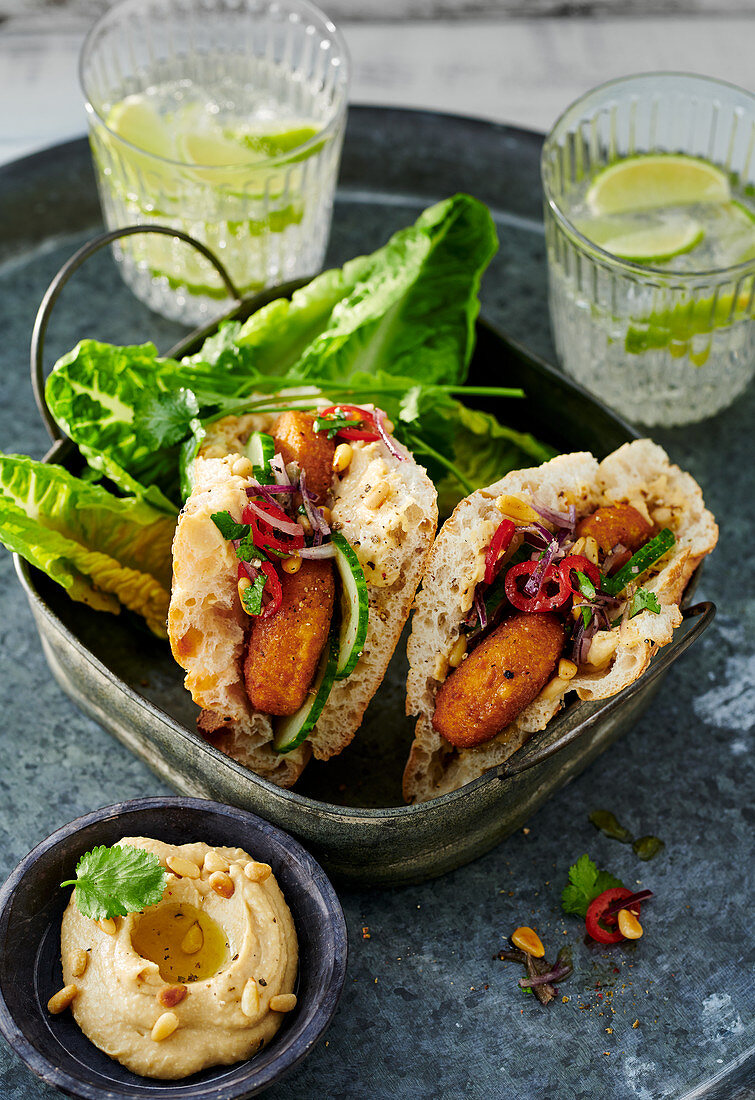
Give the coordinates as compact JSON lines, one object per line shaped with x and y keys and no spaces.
{"x":643,"y":600}
{"x":228,"y":527}
{"x":111,"y":882}
{"x":586,"y":882}
{"x":251,"y":597}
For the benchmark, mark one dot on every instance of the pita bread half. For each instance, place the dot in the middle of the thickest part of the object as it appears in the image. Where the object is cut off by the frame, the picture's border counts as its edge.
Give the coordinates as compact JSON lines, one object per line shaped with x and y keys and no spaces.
{"x":639,"y":473}
{"x":387,"y":509}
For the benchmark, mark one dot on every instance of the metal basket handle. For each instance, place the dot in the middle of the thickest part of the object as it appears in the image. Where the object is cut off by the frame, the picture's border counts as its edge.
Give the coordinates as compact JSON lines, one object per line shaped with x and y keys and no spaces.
{"x":53,"y":293}
{"x":702,"y":612}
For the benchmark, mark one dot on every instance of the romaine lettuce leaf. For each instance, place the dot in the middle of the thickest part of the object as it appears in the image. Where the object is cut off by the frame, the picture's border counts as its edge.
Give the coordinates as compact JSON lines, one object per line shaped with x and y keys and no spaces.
{"x":104,"y":550}
{"x":127,"y":414}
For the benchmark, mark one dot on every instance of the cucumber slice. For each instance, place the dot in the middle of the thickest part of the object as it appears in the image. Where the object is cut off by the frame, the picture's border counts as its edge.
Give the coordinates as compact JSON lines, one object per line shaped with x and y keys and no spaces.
{"x":354,"y":606}
{"x":260,"y":448}
{"x":291,"y":731}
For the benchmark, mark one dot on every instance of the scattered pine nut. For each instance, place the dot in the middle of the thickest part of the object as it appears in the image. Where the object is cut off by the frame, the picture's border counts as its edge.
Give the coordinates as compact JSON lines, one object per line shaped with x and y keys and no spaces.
{"x":222,"y":884}
{"x":567,"y":670}
{"x":257,"y":872}
{"x":591,"y":550}
{"x":629,"y":926}
{"x":241,"y":588}
{"x":283,"y":1002}
{"x":291,"y":565}
{"x":184,"y":868}
{"x":164,"y":1027}
{"x":527,"y":940}
{"x":79,"y":962}
{"x":250,"y":999}
{"x":342,"y":457}
{"x":107,"y":925}
{"x":305,"y":525}
{"x":517,"y":510}
{"x":456,"y":656}
{"x":60,"y":1001}
{"x":376,"y":496}
{"x":326,"y":514}
{"x":171,"y":995}
{"x":193,"y":941}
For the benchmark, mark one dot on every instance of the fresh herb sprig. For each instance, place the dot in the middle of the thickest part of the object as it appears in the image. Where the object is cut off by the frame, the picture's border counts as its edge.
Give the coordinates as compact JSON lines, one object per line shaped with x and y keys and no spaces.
{"x":111,"y":882}
{"x":586,"y":882}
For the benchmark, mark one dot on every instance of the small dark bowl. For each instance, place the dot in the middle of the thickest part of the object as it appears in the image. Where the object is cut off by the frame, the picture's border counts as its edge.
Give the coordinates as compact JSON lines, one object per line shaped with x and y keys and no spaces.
{"x":31,"y":908}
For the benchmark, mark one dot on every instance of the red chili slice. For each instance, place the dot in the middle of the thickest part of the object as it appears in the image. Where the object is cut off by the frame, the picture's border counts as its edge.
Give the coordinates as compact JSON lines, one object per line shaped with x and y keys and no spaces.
{"x":272,"y":593}
{"x":265,"y":536}
{"x":543,"y":601}
{"x":605,"y":929}
{"x":579,"y":564}
{"x":498,"y":544}
{"x":369,"y":433}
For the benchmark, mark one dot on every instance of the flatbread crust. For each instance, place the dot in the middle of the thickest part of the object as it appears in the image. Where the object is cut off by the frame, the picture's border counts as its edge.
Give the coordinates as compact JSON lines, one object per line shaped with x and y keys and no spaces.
{"x":640,"y":473}
{"x":207,"y":625}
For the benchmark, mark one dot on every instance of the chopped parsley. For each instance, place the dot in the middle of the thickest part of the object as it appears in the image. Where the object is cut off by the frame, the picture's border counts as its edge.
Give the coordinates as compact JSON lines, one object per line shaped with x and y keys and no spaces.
{"x":643,"y":600}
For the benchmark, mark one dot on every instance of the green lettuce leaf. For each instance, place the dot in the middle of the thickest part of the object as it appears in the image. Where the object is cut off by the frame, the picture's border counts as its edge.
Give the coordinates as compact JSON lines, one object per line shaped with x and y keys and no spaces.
{"x":104,"y":550}
{"x":127,"y":413}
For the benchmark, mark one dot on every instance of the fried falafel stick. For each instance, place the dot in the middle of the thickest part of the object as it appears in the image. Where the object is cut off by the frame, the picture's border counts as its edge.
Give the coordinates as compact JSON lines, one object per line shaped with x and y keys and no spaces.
{"x":283,"y":651}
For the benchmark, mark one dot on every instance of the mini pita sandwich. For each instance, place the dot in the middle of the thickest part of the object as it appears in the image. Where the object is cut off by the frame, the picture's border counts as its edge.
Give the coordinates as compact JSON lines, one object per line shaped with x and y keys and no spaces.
{"x":608,"y":630}
{"x":383,"y":504}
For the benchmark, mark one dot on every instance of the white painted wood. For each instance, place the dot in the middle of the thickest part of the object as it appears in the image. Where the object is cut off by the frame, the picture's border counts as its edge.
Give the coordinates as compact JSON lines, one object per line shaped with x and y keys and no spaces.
{"x":523,"y":72}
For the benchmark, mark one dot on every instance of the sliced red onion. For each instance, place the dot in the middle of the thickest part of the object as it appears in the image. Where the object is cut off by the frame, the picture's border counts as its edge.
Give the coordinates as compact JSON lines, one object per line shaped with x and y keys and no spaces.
{"x":539,"y":531}
{"x":278,"y":470}
{"x":616,"y":553}
{"x":319,"y":527}
{"x":556,"y":975}
{"x":482,"y":614}
{"x":255,"y":487}
{"x":380,"y":425}
{"x":247,"y":566}
{"x":326,"y":550}
{"x":535,"y":581}
{"x":624,"y":903}
{"x":565,"y":520}
{"x":286,"y":526}
{"x":581,"y":640}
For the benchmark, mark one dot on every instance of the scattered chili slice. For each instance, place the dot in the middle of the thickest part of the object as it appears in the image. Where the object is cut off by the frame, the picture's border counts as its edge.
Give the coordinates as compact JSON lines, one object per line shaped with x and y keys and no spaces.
{"x":543,"y":601}
{"x":499,"y":543}
{"x":265,"y":536}
{"x":601,"y":925}
{"x":364,"y":428}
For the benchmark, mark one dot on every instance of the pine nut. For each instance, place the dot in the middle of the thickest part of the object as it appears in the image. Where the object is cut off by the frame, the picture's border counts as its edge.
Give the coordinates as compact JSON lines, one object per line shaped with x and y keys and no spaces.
{"x":326,"y":514}
{"x":107,"y":925}
{"x":662,"y":516}
{"x":250,"y":999}
{"x":567,"y":670}
{"x":79,"y":963}
{"x":388,"y":425}
{"x":222,"y":884}
{"x":184,"y":868}
{"x":164,"y":1027}
{"x":257,"y":872}
{"x":516,"y":509}
{"x":243,"y":467}
{"x":291,"y":565}
{"x":554,"y":689}
{"x":376,"y":496}
{"x":171,"y":995}
{"x":579,"y":546}
{"x":60,"y":1001}
{"x":591,"y":550}
{"x":456,"y":656}
{"x":283,"y":1002}
{"x":193,"y":941}
{"x":527,"y":940}
{"x":241,"y":587}
{"x":629,"y":926}
{"x":342,"y":457}
{"x":305,"y":525}
{"x":214,"y":862}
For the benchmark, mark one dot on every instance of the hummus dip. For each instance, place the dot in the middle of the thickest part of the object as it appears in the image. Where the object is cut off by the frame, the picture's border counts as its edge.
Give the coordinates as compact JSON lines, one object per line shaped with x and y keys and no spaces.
{"x":187,"y":983}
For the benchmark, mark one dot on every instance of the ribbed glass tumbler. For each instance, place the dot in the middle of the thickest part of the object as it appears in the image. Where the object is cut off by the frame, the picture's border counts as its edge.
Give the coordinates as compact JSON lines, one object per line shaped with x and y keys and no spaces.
{"x":224,"y":119}
{"x":662,"y":343}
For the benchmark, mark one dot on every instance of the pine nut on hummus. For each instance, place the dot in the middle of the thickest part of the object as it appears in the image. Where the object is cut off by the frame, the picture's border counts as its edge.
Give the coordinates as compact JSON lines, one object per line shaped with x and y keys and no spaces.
{"x":186,"y":983}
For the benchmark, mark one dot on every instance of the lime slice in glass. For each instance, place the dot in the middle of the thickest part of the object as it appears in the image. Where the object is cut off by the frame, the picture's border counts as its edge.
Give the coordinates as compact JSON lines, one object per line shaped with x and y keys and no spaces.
{"x":650,"y":241}
{"x":664,"y":179}
{"x":135,"y":120}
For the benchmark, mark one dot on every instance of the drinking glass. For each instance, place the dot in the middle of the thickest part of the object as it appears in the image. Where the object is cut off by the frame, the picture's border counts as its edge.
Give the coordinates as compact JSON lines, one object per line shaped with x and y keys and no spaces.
{"x":224,"y":119}
{"x":661,"y":346}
